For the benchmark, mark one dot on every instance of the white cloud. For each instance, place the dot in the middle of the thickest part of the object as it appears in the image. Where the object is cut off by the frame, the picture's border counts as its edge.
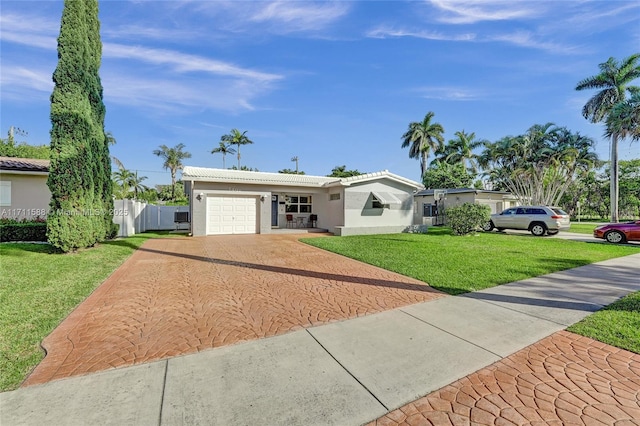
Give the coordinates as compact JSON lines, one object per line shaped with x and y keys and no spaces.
{"x":471,"y":11}
{"x":30,"y":31}
{"x":518,"y":38}
{"x":385,"y":32}
{"x":530,"y":40}
{"x":148,"y":32}
{"x":274,"y":17}
{"x":287,"y":16}
{"x":168,"y":95}
{"x":24,"y":84}
{"x":183,"y":63}
{"x":449,"y":93}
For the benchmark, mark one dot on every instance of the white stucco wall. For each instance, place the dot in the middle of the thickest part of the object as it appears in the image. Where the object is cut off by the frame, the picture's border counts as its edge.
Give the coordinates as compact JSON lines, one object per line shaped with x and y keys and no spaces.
{"x":28,"y":196}
{"x":198,"y":207}
{"x":359,"y":212}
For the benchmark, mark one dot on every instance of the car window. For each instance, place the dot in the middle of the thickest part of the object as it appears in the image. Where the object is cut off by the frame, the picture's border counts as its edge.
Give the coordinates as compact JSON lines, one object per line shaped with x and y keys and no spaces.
{"x":520,"y":211}
{"x":537,"y":211}
{"x":509,"y":212}
{"x":559,"y":211}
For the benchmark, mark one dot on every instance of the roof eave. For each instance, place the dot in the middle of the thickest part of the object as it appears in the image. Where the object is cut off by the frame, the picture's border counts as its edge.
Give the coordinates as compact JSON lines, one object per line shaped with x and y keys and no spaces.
{"x":24,"y":172}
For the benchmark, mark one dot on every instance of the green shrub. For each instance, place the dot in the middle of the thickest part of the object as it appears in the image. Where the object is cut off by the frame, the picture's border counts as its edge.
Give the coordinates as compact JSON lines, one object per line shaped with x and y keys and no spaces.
{"x":13,"y":230}
{"x":467,"y":218}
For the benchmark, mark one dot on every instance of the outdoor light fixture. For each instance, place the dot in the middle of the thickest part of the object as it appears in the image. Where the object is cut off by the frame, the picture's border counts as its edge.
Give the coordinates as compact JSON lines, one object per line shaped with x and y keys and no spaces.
{"x":262,"y":198}
{"x":200,"y":196}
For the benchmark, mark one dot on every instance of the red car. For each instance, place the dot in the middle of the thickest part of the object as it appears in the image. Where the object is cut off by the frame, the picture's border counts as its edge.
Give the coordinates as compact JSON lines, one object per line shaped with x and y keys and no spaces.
{"x":619,"y":232}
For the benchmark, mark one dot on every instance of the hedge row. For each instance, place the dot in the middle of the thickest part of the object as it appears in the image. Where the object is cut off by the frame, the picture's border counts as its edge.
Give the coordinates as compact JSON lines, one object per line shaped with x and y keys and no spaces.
{"x":23,"y":231}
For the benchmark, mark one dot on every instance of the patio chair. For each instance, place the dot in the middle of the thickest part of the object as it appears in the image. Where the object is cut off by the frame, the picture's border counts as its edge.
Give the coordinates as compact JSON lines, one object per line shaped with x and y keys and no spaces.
{"x":289,"y":221}
{"x":312,"y":221}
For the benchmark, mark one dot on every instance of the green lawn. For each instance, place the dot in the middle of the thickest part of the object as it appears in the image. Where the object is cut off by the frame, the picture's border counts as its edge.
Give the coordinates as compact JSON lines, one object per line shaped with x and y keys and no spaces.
{"x":461,"y":264}
{"x":583,"y":228}
{"x":618,"y":324}
{"x":39,"y":288}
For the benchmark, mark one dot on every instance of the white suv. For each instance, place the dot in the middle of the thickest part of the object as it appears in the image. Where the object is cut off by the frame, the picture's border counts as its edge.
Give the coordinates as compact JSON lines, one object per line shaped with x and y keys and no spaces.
{"x":539,"y":220}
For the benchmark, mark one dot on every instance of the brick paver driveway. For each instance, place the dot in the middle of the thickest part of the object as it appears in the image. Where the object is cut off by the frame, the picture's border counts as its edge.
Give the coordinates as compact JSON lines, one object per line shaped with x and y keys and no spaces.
{"x":564,"y":379}
{"x":182,"y":295}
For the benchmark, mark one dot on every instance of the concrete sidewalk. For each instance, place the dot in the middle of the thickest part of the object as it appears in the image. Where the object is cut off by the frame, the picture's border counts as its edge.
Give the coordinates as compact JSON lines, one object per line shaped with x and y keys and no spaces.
{"x":343,"y":373}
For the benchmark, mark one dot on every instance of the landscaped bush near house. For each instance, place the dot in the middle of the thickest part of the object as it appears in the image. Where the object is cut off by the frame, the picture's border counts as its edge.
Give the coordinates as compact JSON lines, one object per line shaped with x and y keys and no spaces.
{"x":467,"y":218}
{"x":25,"y":230}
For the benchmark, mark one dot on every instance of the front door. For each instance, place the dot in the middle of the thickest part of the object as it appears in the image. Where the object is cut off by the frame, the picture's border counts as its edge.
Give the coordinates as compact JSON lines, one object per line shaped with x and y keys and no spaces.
{"x":274,"y":210}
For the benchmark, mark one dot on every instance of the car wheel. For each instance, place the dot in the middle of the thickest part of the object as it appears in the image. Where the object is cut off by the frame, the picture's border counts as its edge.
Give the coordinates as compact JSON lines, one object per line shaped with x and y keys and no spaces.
{"x":615,"y":237}
{"x":538,"y":229}
{"x":488,"y":227}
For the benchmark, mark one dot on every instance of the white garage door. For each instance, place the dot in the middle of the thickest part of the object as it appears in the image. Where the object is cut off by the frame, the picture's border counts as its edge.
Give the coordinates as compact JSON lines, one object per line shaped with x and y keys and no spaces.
{"x":231,"y":215}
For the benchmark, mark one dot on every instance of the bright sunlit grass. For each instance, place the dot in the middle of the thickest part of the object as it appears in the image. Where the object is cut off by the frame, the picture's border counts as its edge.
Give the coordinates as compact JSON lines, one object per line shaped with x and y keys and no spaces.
{"x":461,"y":264}
{"x":583,"y":228}
{"x":617,"y":324}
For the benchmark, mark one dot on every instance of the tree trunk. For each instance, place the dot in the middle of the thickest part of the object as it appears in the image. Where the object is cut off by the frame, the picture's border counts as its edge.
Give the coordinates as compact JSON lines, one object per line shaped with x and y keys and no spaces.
{"x":173,"y":185}
{"x":614,"y":178}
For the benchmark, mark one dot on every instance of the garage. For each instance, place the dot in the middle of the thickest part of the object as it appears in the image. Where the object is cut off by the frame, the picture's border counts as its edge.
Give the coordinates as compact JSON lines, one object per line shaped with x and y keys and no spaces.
{"x":231,"y":215}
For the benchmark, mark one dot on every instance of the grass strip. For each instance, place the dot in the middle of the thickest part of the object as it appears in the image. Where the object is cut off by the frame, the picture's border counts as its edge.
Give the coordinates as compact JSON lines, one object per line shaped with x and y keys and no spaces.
{"x":617,"y":324}
{"x":583,"y":228}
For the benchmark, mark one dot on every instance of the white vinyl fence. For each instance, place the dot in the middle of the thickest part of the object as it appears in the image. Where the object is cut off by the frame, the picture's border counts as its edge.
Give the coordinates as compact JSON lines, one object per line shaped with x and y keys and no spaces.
{"x":135,"y":217}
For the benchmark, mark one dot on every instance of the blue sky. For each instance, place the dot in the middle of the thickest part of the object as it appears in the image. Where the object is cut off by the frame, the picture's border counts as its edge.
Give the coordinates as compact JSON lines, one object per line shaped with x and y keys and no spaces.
{"x":333,"y":83}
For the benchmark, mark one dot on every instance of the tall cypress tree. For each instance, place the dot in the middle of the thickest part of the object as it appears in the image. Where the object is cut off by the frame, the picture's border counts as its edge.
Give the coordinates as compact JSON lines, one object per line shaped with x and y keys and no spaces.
{"x":80,"y":206}
{"x":103,"y":184}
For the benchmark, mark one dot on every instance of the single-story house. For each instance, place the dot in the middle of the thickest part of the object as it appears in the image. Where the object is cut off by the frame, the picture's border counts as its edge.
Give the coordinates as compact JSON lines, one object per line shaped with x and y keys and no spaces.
{"x":431,"y":203}
{"x":24,"y":193}
{"x":241,"y":202}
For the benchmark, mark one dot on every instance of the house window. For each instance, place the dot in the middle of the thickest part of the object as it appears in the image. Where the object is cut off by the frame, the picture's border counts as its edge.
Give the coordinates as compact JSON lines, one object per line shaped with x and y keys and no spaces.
{"x":376,"y":204}
{"x":334,"y":197}
{"x":5,"y":193}
{"x":298,"y":204}
{"x":429,"y":210}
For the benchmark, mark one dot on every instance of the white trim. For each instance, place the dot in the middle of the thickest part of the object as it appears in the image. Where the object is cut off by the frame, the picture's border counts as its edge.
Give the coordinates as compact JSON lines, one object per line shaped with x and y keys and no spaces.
{"x":22,"y":172}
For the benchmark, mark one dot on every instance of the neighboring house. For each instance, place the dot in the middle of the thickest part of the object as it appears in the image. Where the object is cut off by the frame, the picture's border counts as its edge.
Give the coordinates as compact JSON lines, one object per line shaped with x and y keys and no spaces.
{"x":24,"y":193}
{"x":431,"y":203}
{"x":241,"y":202}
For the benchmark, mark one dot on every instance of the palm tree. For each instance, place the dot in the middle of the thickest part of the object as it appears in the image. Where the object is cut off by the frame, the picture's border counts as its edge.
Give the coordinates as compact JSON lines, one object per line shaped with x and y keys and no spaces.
{"x":122,"y":177}
{"x":460,"y":150}
{"x":111,"y":140}
{"x":613,"y":83}
{"x":422,"y":137}
{"x":237,"y":138}
{"x":136,"y":184}
{"x":173,"y":161}
{"x":129,"y":181}
{"x":224,"y":149}
{"x":624,"y":119}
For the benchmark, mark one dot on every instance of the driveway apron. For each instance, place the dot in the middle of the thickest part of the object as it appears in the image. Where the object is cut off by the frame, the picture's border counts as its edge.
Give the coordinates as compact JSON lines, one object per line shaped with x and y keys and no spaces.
{"x":183,"y":295}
